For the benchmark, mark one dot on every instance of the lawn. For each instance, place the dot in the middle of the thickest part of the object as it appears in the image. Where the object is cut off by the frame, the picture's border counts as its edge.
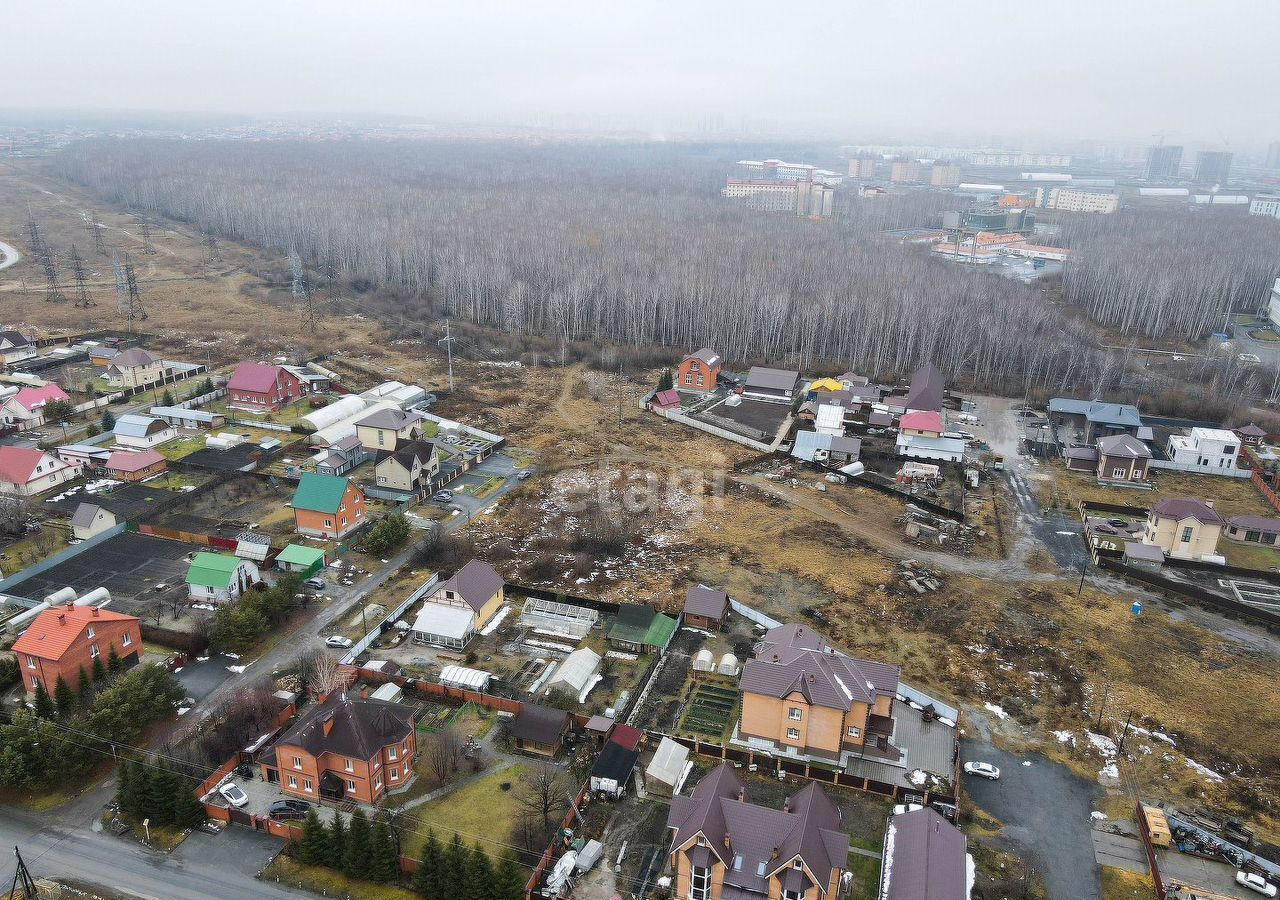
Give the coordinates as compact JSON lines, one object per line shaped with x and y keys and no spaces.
{"x":289,"y":415}
{"x":866,"y":877}
{"x":1249,"y":556}
{"x":181,"y":447}
{"x":1231,"y":496}
{"x":1119,"y":884}
{"x":479,"y":810}
{"x":328,"y":882}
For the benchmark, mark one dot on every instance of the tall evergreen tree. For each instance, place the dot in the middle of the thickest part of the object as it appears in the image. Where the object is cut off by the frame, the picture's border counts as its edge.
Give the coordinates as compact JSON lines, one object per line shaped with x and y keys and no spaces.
{"x":313,"y":849}
{"x":99,"y":669}
{"x":108,"y":420}
{"x":509,"y":879}
{"x":159,"y":796}
{"x":188,"y":811}
{"x":337,"y":846}
{"x":63,"y":698}
{"x":454,"y":866}
{"x":167,"y":399}
{"x":384,"y":862}
{"x":356,"y":854}
{"x":479,"y":883}
{"x":84,"y":690}
{"x":114,"y":662}
{"x":43,"y":702}
{"x":428,"y":878}
{"x":127,"y":787}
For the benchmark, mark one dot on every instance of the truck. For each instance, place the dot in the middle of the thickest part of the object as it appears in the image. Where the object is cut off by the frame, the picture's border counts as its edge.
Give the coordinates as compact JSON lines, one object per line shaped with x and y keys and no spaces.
{"x":997,"y":462}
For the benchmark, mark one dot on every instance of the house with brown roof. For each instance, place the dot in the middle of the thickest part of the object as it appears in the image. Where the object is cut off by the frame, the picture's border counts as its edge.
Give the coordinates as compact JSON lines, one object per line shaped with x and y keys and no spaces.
{"x":136,"y":367}
{"x":699,"y":371}
{"x":1251,"y":435}
{"x":1184,"y":528}
{"x":411,"y":466}
{"x":26,"y":471}
{"x":1253,"y":530}
{"x":345,"y":748}
{"x":705,"y":608}
{"x":724,"y":847}
{"x":1122,"y":458}
{"x":134,"y":465}
{"x":538,"y":729}
{"x":801,"y":697}
{"x":62,"y":640}
{"x":385,"y":429}
{"x":262,"y":388}
{"x":476,"y":586}
{"x":925,"y":857}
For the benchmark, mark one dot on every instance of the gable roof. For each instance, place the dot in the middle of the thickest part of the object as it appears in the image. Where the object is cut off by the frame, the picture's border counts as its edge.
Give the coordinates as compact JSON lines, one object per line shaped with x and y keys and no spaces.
{"x":300,"y":555}
{"x":538,"y":724}
{"x":1179,"y":508}
{"x":1259,"y":523}
{"x":133,"y":460}
{"x":795,"y":659}
{"x":826,"y":384}
{"x":669,"y":397}
{"x":134,"y":425}
{"x":392,"y":418}
{"x":406,"y":451}
{"x":1098,"y":411}
{"x":360,"y":728}
{"x":639,"y":624}
{"x":31,"y":398}
{"x":56,"y":629}
{"x":1251,"y":430}
{"x":132,"y":358}
{"x":320,"y":493}
{"x":922,"y":420}
{"x":85,"y":514}
{"x":926,"y":859}
{"x":14,"y":338}
{"x":703,"y":601}
{"x":475,"y":583}
{"x":808,"y":827}
{"x":212,"y":570}
{"x":927,"y":388}
{"x":1123,"y":445}
{"x":765,"y":378}
{"x":707,"y":355}
{"x":18,"y":464}
{"x":257,"y":378}
{"x":615,"y":761}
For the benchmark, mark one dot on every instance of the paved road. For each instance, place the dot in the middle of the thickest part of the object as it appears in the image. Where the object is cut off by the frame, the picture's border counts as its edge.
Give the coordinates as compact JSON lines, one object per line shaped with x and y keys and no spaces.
{"x":216,"y":867}
{"x":8,"y":255}
{"x":1045,"y":810}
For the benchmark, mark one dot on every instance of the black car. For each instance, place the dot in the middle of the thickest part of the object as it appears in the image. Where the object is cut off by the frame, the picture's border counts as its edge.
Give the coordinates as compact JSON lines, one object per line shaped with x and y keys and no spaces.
{"x":244,"y":770}
{"x":284,"y":810}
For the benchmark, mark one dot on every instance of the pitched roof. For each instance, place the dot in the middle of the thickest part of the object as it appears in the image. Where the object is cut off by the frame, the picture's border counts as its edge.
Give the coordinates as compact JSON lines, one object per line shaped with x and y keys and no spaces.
{"x":626,"y":736}
{"x":538,"y":724}
{"x":880,"y":418}
{"x":30,"y":398}
{"x":808,"y":828}
{"x":922,"y":420}
{"x":766,"y":378}
{"x":320,"y":493}
{"x":1258,"y":523}
{"x":360,"y":728}
{"x":132,"y":460}
{"x":406,"y":451}
{"x":1251,"y":430}
{"x":475,"y":583}
{"x":394,"y":419}
{"x":926,"y":859}
{"x":257,"y":378}
{"x":667,"y":398}
{"x":134,"y":425}
{"x":1123,"y":445}
{"x":639,"y":624}
{"x":14,"y":338}
{"x":1098,"y":411}
{"x":707,"y":355}
{"x":85,"y":514}
{"x":826,"y":384}
{"x":926,"y":391}
{"x":793,"y":658}
{"x":1088,"y":453}
{"x":1179,"y":508}
{"x":18,"y":464}
{"x":56,"y":629}
{"x":703,"y":601}
{"x":300,"y":555}
{"x":212,"y":570}
{"x":615,"y":761}
{"x":133,"y":357}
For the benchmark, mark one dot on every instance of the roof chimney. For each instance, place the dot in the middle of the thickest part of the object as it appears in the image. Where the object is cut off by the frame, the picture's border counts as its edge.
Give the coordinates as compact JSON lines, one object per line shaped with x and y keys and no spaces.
{"x":774,"y":854}
{"x":1209,"y":503}
{"x":786,"y":803}
{"x":728,"y":844}
{"x":742,"y":794}
{"x":327,"y":725}
{"x":62,"y":618}
{"x":94,"y":611}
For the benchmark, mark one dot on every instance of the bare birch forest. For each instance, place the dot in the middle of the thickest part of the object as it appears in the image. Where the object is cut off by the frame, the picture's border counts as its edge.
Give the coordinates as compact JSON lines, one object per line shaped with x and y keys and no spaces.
{"x":632,"y":244}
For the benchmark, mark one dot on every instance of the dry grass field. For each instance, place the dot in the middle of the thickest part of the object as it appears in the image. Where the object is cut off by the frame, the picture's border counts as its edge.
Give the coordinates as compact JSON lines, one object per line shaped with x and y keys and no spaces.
{"x":1025,"y":641}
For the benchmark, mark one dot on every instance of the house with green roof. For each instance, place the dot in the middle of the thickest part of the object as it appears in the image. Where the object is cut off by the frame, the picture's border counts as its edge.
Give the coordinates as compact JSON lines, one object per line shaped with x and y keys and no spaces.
{"x":327,"y":506}
{"x":306,"y":561}
{"x":218,"y":577}
{"x":641,"y":629}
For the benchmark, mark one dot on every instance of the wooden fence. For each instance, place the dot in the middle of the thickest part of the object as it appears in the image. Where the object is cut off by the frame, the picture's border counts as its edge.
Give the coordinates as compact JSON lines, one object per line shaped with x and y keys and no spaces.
{"x":1145,"y":833}
{"x":1256,"y":474}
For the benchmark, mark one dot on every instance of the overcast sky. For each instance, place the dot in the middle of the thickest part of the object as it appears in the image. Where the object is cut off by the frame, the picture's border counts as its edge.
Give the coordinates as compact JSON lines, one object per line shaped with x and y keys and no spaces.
{"x":1202,"y":71}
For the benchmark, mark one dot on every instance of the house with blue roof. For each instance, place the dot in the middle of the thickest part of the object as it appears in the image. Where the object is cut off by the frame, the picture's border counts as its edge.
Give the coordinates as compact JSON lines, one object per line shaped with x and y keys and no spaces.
{"x":1095,"y":418}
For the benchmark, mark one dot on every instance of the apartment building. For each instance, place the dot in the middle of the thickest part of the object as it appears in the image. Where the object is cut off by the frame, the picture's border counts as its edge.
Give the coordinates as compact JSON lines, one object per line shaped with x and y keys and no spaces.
{"x":1265,"y":205}
{"x":944,"y":176}
{"x":1073,"y":200}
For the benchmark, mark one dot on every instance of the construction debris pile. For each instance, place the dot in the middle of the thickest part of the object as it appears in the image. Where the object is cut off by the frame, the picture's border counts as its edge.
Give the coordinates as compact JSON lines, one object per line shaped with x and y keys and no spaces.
{"x":926,"y":530}
{"x":917,"y":577}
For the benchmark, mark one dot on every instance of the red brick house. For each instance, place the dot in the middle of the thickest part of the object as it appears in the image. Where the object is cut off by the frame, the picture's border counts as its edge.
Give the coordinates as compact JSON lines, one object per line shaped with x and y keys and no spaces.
{"x":345,"y":749}
{"x":699,"y":371}
{"x":64,"y":639}
{"x":262,"y":388}
{"x":134,"y":465}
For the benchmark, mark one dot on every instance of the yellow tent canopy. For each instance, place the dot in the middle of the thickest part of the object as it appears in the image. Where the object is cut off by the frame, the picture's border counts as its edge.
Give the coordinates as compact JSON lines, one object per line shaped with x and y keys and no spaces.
{"x":826,"y":384}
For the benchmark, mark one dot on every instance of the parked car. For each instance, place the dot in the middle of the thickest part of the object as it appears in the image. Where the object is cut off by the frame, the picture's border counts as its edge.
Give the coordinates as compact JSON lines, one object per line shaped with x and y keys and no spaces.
{"x":233,"y":795}
{"x":244,"y":770}
{"x":442,"y":496}
{"x":523,"y":474}
{"x":982,"y":770}
{"x":301,"y":806}
{"x":1256,"y":883}
{"x":281,"y":811}
{"x":339,"y":641}
{"x":316,"y":584}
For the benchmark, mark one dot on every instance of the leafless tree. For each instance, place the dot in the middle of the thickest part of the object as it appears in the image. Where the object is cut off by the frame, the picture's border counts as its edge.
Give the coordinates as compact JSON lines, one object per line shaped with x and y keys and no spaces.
{"x":541,"y":792}
{"x":442,"y":752}
{"x":322,"y":673}
{"x":14,"y":513}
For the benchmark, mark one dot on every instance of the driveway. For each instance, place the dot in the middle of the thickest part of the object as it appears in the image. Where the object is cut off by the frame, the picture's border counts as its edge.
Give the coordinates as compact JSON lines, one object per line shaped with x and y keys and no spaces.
{"x":200,"y":678}
{"x":1046,"y":814}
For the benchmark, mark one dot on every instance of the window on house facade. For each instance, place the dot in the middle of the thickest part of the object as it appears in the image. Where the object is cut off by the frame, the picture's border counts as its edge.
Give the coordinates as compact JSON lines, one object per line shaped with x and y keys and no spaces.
{"x":1186,"y":534}
{"x":699,"y":883}
{"x":377,"y":783}
{"x":306,"y":785}
{"x":31,"y":662}
{"x":126,"y":640}
{"x":854,"y":731}
{"x":793,"y":895}
{"x":348,"y":765}
{"x":35,"y":682}
{"x":688,"y":378}
{"x":351,"y":786}
{"x":793,"y":734}
{"x":93,"y":651}
{"x":293,"y":782}
{"x":395,"y":774}
{"x":90,"y":632}
{"x":297,"y":762}
{"x":392,"y":752}
{"x":328,"y":523}
{"x":795,"y":713}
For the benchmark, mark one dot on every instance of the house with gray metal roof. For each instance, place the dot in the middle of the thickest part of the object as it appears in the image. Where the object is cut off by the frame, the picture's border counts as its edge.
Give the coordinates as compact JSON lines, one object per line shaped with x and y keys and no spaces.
{"x":724,"y":847}
{"x":925,"y":858}
{"x":1091,"y":419}
{"x":143,"y":432}
{"x":764,"y":383}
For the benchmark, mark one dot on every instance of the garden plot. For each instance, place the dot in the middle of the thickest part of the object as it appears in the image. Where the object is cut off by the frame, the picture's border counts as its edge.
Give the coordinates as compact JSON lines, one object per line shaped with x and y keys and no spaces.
{"x":710,"y":710}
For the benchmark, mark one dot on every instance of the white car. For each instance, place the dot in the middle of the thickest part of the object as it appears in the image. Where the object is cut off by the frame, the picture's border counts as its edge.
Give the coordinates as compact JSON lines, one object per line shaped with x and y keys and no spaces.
{"x":1256,"y":883}
{"x":982,"y":770}
{"x":338,"y":641}
{"x":231,"y":791}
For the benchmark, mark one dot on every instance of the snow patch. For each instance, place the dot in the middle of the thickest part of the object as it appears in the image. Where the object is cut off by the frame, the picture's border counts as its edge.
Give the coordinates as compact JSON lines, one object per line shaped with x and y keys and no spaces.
{"x":1102,"y":744}
{"x":1205,"y":770}
{"x":1098,"y":816}
{"x":918,"y":777}
{"x":1062,"y":737}
{"x":996,"y":710}
{"x":1110,"y":770}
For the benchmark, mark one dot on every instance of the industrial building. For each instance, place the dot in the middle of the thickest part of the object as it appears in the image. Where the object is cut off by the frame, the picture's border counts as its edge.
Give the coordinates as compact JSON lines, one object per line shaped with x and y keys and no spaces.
{"x":1265,"y":205}
{"x":1072,"y":200}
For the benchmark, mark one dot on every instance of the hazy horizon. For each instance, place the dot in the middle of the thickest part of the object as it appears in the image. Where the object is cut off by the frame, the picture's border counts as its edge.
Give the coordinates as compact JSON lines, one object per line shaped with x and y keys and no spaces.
{"x":924,"y":73}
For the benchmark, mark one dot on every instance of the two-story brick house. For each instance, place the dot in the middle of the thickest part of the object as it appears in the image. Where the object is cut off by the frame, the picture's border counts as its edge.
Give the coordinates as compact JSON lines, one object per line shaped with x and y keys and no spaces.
{"x":723,"y":846}
{"x":698,"y":372}
{"x":327,"y":506}
{"x":345,"y":748}
{"x":801,"y":697}
{"x":62,"y":640}
{"x":259,"y":387}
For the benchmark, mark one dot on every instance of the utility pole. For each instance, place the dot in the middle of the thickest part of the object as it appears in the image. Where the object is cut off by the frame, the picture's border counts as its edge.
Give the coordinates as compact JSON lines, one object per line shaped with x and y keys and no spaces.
{"x":22,"y":879}
{"x":447,"y":340}
{"x":1102,"y":707}
{"x":1125,"y":733}
{"x":1080,"y":587}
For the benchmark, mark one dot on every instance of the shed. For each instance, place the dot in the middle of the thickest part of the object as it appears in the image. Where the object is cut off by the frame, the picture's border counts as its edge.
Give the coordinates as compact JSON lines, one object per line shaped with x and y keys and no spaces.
{"x":306,"y":561}
{"x":705,"y":608}
{"x":666,"y":770}
{"x":641,"y":629}
{"x":465,"y":678}
{"x":538,"y":729}
{"x":705,"y":661}
{"x":613,"y":769}
{"x":390,"y":692}
{"x":445,"y":626}
{"x":577,"y":674}
{"x":728,"y":665}
{"x":1137,"y":553}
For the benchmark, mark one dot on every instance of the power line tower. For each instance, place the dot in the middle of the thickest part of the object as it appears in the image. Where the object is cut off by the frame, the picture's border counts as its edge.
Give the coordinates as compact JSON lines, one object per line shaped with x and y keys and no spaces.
{"x":128,"y":302}
{"x":211,"y":242}
{"x":447,"y":340}
{"x":34,"y":237}
{"x":52,"y":290}
{"x":83,"y":300}
{"x":147,"y":247}
{"x":99,"y":245}
{"x":302,"y":291}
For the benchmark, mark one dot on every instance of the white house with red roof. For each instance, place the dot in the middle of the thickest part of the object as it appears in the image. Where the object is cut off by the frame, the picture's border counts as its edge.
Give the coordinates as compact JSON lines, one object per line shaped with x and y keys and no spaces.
{"x":25,"y":408}
{"x":920,"y":436}
{"x":27,"y":472}
{"x":263,"y":388}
